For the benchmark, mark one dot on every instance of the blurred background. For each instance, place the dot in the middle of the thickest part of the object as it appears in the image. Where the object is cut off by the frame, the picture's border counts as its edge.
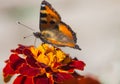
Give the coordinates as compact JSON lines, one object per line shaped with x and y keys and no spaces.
{"x":96,"y":22}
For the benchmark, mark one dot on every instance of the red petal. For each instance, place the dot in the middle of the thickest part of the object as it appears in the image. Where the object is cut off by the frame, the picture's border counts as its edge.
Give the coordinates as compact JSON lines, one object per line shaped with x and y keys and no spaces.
{"x":12,"y":65}
{"x":27,"y":52}
{"x":29,"y":71}
{"x":88,"y":80}
{"x":42,"y":80}
{"x":30,"y":59}
{"x":56,"y":64}
{"x":77,"y":64}
{"x":60,"y":77}
{"x":76,"y":75}
{"x":19,"y":49}
{"x":32,"y":62}
{"x":70,"y":81}
{"x":16,"y":61}
{"x":23,"y":80}
{"x":67,"y":68}
{"x":8,"y":72}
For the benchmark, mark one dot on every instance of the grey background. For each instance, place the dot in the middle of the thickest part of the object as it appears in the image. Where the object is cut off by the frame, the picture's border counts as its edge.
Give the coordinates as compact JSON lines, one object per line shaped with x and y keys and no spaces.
{"x":96,"y":22}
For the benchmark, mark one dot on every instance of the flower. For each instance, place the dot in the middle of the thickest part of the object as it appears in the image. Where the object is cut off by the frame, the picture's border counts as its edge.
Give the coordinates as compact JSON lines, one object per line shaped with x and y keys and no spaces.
{"x":45,"y":64}
{"x":81,"y":80}
{"x":88,"y":80}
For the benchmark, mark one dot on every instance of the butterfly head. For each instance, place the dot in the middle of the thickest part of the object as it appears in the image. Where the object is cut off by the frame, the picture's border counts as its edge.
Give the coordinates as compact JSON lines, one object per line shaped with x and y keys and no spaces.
{"x":37,"y":34}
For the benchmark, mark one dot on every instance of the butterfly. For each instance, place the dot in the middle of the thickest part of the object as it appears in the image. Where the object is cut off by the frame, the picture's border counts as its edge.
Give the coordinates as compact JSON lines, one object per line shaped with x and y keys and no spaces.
{"x":53,"y":30}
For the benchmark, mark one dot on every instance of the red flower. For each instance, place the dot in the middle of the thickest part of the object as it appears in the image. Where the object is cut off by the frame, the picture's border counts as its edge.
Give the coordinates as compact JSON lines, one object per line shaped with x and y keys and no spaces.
{"x":81,"y":80}
{"x":42,"y":65}
{"x":88,"y":80}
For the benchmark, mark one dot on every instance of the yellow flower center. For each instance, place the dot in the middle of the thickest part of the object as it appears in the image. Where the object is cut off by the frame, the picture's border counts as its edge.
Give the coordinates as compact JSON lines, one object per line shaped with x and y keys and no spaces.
{"x":48,"y":54}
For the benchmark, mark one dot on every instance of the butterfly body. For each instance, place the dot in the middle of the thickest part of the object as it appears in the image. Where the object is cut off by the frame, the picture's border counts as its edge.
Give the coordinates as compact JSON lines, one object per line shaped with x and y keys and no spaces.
{"x":53,"y":30}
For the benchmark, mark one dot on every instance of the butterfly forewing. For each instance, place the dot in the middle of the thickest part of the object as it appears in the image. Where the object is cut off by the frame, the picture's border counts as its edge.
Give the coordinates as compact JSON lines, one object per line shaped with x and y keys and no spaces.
{"x":49,"y":18}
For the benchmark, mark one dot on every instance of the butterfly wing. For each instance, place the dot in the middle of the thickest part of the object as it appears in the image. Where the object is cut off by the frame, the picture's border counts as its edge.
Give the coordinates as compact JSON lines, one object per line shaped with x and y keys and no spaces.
{"x":49,"y":18}
{"x":61,"y":35}
{"x":53,"y":30}
{"x":67,"y":31}
{"x":69,"y":36}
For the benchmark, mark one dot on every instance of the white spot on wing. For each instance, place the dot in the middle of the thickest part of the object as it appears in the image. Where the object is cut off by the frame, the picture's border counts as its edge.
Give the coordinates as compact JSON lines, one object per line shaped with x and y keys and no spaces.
{"x":44,"y":19}
{"x":43,"y":5}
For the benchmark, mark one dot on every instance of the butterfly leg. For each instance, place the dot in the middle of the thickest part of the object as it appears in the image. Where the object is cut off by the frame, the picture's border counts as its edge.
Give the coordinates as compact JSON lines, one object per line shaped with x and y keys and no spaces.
{"x":54,"y":48}
{"x":43,"y":46}
{"x":35,"y":42}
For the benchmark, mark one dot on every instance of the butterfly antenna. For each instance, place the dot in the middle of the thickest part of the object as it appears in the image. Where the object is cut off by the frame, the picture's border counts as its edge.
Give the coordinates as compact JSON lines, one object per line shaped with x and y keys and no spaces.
{"x":28,"y":36}
{"x":26,"y":26}
{"x":35,"y":42}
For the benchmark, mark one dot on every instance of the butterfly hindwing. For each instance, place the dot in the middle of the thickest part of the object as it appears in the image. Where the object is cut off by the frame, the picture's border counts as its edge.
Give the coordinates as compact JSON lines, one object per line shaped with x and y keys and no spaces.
{"x":61,"y":35}
{"x":66,"y":30}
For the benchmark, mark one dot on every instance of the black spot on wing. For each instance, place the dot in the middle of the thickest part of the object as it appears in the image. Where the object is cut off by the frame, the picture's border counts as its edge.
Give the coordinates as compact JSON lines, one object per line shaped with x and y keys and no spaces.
{"x":43,"y":21}
{"x":43,"y":15}
{"x":56,"y":27}
{"x":43,"y":8}
{"x":52,"y":22}
{"x":45,"y":3}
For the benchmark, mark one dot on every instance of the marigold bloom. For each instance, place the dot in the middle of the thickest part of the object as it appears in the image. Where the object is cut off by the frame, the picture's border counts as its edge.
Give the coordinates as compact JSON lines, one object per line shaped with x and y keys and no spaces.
{"x":81,"y":80}
{"x":42,"y":65}
{"x":88,"y":80}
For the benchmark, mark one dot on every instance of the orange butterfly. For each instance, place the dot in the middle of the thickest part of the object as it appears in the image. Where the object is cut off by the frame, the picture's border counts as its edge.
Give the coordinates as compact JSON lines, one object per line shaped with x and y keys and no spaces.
{"x":53,"y":30}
